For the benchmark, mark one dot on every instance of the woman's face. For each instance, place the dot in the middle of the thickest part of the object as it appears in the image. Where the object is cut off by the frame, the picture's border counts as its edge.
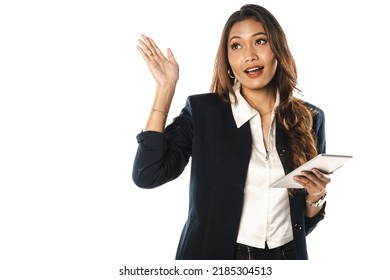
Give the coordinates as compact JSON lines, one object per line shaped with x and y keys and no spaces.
{"x":250,"y":55}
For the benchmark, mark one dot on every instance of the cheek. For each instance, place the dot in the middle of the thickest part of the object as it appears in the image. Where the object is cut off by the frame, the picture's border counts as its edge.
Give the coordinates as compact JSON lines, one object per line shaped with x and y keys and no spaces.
{"x":232,"y":61}
{"x":272,"y":63}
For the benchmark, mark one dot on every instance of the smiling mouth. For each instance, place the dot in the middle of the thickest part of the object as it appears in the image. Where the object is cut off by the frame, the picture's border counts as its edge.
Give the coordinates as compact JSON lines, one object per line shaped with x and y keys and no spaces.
{"x":254,"y":69}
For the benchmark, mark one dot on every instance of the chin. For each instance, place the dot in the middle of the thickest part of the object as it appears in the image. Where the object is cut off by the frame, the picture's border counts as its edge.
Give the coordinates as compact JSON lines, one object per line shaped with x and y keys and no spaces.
{"x":259,"y":86}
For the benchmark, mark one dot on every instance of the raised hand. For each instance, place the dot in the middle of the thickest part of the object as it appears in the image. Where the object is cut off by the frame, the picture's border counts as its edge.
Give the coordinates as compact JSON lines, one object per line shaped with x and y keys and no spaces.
{"x":165,"y":70}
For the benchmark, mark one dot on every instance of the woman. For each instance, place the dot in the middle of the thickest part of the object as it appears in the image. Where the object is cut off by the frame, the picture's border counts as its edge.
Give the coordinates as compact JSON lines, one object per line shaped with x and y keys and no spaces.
{"x":241,"y":137}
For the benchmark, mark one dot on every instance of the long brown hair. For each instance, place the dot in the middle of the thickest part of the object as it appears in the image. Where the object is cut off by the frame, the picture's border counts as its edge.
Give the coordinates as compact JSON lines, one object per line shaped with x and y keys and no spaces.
{"x":295,"y":117}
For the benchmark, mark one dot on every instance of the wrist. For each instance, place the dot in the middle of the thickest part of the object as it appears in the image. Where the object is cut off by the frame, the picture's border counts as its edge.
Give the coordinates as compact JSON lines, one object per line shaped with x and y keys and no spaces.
{"x":163,"y":113}
{"x":166,"y":89}
{"x":165,"y":93}
{"x":315,"y":201}
{"x":317,"y":194}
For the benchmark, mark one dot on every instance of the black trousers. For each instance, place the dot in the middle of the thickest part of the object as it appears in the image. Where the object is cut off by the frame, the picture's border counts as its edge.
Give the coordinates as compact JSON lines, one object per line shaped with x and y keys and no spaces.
{"x":284,"y":252}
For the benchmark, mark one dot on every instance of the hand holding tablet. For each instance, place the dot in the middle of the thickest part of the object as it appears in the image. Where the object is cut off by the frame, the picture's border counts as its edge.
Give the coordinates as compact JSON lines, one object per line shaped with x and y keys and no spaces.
{"x":326,"y":163}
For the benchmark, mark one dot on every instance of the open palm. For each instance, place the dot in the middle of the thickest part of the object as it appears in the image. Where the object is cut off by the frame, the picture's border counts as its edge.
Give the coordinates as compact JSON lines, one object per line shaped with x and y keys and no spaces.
{"x":165,"y":70}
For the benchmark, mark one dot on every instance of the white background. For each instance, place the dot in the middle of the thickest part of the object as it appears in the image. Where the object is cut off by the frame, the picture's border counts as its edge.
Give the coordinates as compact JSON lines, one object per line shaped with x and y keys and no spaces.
{"x":75,"y":92}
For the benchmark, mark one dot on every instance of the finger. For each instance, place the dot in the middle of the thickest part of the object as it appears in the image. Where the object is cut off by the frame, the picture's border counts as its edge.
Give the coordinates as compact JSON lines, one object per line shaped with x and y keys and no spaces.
{"x":148,"y":42}
{"x":157,"y":50}
{"x":309,"y":179}
{"x":148,"y":58}
{"x":144,"y":56}
{"x":311,"y":188}
{"x":303,"y":180}
{"x":321,"y":176}
{"x":313,"y":178}
{"x":314,"y":185}
{"x":171,"y":57}
{"x":146,"y":49}
{"x":161,"y":56}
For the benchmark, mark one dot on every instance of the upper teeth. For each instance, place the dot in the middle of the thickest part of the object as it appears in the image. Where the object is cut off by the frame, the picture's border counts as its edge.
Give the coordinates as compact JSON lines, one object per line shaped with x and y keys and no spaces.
{"x":253,"y":69}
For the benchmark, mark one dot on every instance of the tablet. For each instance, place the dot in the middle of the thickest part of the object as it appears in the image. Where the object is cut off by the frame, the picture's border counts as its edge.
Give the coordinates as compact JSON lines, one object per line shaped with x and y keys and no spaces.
{"x":324,"y":162}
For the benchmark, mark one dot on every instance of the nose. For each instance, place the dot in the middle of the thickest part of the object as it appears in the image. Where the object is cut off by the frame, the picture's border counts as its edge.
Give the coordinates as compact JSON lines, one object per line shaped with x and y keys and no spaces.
{"x":250,"y":54}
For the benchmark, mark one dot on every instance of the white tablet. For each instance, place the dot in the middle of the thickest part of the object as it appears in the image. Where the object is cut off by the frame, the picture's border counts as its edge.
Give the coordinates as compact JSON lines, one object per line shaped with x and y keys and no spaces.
{"x":324,"y":162}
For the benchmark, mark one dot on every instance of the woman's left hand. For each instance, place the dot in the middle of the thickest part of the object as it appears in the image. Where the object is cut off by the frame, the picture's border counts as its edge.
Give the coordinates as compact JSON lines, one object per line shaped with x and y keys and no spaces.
{"x":313,"y":181}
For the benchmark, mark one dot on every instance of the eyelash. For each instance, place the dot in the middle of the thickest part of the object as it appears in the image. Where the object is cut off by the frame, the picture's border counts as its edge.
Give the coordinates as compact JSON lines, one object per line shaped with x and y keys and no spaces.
{"x":264,"y":41}
{"x":234,"y":46}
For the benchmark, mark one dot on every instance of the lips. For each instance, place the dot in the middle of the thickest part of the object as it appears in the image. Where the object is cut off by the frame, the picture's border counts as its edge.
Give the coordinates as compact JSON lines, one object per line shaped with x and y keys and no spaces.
{"x":254,"y":71}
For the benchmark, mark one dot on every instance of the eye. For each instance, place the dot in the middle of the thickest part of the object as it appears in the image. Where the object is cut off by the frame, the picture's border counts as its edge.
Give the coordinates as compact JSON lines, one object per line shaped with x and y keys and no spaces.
{"x":235,"y":46}
{"x":261,"y":41}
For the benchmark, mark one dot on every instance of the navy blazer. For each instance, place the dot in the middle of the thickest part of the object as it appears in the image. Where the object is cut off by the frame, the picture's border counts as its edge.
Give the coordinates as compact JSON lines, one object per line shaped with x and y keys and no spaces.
{"x":206,"y":131}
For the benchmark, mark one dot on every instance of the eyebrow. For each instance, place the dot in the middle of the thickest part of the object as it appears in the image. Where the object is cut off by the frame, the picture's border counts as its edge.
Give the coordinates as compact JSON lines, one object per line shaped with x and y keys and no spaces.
{"x":254,"y":35}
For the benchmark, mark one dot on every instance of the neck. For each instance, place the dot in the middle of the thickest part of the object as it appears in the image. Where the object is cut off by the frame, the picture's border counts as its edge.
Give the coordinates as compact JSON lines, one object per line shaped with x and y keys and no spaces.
{"x":261,"y":101}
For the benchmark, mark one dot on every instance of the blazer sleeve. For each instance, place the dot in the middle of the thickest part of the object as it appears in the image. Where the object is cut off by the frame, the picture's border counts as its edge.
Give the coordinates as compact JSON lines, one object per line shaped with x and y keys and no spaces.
{"x":319,"y":132}
{"x":162,"y":157}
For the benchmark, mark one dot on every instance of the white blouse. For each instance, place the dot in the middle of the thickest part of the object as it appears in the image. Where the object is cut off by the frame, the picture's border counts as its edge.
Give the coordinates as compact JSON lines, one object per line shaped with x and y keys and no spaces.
{"x":266,"y":212}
